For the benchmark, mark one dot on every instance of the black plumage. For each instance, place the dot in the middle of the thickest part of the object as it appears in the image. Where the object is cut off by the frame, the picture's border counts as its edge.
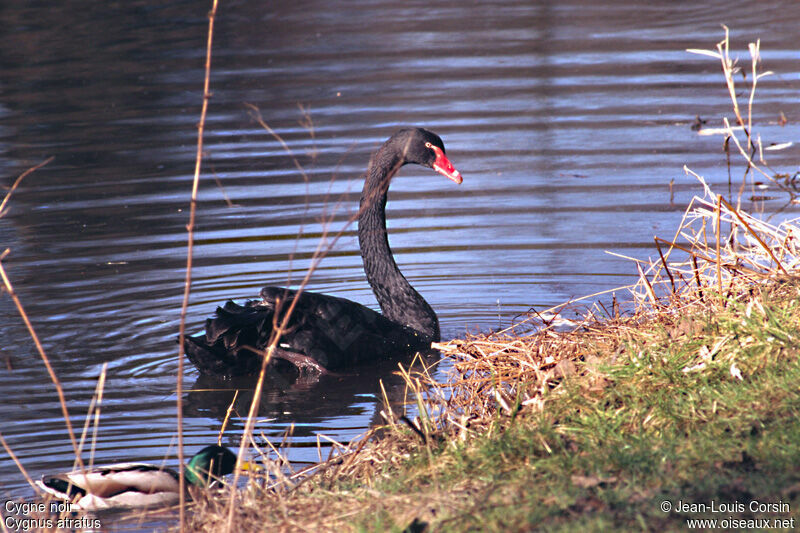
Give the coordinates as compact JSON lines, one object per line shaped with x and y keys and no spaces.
{"x":325,"y":332}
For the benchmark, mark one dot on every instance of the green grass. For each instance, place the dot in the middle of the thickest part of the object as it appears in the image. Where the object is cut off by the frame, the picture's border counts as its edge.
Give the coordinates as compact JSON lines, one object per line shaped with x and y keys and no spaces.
{"x":598,"y":460}
{"x":652,"y":414}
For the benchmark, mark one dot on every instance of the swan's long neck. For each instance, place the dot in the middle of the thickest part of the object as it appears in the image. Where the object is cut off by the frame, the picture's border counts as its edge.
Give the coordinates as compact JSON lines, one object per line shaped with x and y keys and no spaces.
{"x":397,"y":298}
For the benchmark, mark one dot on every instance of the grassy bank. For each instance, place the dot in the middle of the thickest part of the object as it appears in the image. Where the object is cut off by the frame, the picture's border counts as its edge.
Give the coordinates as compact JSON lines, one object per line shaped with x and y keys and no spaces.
{"x":699,"y":408}
{"x":684,"y":408}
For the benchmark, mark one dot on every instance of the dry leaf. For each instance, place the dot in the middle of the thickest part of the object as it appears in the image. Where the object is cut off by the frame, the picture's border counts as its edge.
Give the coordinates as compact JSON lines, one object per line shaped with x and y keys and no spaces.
{"x":587,"y":482}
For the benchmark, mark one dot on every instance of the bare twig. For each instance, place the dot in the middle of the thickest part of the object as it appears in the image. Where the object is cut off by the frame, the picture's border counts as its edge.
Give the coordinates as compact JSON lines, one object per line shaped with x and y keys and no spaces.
{"x":664,"y":264}
{"x":187,"y":286}
{"x":719,"y":258}
{"x":697,"y":277}
{"x":21,"y":468}
{"x":755,"y":235}
{"x":18,"y":181}
{"x":649,"y":288}
{"x":227,"y":417}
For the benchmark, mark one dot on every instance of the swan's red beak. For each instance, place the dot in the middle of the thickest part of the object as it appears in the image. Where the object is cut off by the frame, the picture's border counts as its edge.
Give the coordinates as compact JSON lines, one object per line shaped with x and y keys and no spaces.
{"x":443,"y":166}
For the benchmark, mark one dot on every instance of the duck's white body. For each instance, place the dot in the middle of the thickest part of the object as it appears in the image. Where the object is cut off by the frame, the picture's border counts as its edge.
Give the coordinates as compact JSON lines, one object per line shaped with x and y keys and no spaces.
{"x":119,"y":485}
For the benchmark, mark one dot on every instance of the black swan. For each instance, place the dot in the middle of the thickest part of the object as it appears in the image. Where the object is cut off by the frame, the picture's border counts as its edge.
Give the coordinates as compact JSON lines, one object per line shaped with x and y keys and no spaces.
{"x":325,"y":332}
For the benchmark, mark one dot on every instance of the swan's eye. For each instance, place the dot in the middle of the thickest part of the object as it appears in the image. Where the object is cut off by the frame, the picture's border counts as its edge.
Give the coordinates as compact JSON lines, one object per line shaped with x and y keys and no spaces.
{"x":428,"y":145}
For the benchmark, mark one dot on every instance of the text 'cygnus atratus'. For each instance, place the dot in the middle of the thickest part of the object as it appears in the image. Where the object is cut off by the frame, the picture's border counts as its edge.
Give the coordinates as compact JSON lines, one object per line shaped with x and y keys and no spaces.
{"x":326,"y":332}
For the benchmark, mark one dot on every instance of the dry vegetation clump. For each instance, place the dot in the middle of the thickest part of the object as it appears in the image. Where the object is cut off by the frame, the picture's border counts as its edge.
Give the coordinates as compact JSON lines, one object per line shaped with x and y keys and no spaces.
{"x":501,"y":373}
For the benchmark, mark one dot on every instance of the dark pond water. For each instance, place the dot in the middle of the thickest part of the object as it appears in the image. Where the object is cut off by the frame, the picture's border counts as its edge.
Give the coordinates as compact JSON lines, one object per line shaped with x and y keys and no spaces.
{"x":567,"y":119}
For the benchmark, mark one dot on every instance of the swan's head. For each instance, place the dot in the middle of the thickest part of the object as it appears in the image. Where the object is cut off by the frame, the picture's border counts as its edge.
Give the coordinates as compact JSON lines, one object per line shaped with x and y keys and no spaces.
{"x":423,"y":147}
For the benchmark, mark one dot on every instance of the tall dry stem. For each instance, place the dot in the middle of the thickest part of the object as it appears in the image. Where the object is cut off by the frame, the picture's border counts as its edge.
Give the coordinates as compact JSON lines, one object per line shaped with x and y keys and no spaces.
{"x":187,"y":285}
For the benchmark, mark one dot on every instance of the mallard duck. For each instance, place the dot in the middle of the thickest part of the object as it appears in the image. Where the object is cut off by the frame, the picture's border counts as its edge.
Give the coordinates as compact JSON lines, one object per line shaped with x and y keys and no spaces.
{"x":127,"y":485}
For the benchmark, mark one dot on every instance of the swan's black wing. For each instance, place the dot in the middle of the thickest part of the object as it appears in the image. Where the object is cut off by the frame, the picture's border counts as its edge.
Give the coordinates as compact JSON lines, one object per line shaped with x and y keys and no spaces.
{"x":323,"y":332}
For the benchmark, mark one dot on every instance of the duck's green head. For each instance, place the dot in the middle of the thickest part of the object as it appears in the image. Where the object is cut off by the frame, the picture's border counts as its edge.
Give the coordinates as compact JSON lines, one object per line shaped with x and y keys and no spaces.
{"x":210,"y":463}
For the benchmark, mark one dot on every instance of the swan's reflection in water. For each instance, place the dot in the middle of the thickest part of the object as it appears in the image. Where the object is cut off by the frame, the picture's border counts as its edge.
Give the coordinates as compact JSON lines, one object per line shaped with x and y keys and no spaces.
{"x":305,"y":404}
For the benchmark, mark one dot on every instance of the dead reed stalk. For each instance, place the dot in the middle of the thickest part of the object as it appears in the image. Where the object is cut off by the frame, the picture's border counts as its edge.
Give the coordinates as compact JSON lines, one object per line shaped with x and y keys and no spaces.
{"x":753,"y":145}
{"x":16,"y":183}
{"x":187,"y":285}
